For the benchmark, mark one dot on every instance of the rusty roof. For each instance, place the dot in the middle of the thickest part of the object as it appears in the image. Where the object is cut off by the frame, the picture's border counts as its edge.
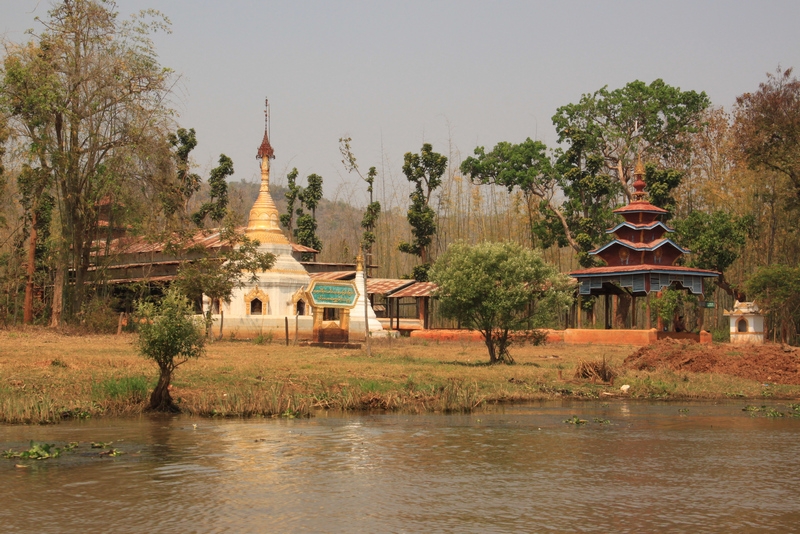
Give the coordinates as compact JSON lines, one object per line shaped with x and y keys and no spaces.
{"x":208,"y":239}
{"x":332,"y":275}
{"x":302,"y":248}
{"x":385,"y":286}
{"x":640,"y":205}
{"x":418,"y":289}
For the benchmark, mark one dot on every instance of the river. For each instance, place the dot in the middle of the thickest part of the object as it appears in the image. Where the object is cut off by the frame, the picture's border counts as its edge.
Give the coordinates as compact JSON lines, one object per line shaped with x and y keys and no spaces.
{"x":633,"y":467}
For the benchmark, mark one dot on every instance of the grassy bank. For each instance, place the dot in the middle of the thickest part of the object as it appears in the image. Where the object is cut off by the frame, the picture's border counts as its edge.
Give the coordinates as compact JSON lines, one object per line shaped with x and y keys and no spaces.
{"x":46,"y":377}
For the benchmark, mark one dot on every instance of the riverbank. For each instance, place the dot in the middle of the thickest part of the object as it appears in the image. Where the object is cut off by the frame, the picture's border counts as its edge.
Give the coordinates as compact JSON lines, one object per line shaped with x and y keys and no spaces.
{"x":46,"y":377}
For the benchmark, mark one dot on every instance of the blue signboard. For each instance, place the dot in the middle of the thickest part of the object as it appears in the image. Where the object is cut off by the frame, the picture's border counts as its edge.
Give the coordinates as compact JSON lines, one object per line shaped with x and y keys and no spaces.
{"x":333,"y":294}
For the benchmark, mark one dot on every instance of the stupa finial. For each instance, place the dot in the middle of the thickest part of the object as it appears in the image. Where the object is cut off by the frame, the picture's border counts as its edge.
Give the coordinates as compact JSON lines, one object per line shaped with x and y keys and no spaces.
{"x":639,"y":184}
{"x":265,"y":150}
{"x":359,"y":263}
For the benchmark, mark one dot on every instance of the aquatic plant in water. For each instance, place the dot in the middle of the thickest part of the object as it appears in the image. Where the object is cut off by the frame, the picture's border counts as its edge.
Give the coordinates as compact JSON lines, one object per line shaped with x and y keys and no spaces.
{"x":39,"y":451}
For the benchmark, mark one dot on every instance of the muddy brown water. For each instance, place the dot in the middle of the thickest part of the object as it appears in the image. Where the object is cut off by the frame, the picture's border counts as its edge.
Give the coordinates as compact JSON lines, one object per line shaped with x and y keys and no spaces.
{"x":653,"y":468}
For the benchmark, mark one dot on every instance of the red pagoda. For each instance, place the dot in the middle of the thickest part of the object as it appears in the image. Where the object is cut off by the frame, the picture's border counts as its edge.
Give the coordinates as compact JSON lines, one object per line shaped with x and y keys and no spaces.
{"x":641,"y":258}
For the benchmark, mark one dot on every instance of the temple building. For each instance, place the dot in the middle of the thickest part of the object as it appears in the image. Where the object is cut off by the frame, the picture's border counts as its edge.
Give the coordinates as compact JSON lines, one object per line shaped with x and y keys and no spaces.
{"x":263,"y":304}
{"x":641,"y":259}
{"x":276,"y":298}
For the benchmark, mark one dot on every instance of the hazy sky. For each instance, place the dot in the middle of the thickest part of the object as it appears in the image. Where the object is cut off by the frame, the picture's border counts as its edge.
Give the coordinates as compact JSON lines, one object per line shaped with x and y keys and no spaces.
{"x":393,"y":75}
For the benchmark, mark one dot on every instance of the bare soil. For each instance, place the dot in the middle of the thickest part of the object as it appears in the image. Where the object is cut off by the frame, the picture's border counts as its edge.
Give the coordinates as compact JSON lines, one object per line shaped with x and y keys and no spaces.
{"x":770,"y":363}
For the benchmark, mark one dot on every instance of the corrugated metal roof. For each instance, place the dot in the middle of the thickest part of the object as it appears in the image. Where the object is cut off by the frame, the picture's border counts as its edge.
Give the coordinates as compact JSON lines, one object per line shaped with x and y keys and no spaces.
{"x":209,"y":239}
{"x":645,"y":268}
{"x":384,"y":286}
{"x":332,"y":275}
{"x":419,"y":289}
{"x":303,"y":248}
{"x":652,"y":245}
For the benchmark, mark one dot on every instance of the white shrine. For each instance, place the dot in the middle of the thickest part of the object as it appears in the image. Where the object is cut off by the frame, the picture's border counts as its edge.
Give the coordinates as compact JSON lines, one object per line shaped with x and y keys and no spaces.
{"x":746,"y":323}
{"x":277,"y":298}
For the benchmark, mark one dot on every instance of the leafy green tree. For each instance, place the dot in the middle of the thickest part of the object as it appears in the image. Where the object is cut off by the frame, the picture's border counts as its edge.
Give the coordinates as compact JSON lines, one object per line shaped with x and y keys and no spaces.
{"x":716,"y":240}
{"x":217,"y":207}
{"x":500,"y":289}
{"x":425,"y":171}
{"x":183,"y":141}
{"x":610,"y":128}
{"x":292,"y":195}
{"x":216,"y":273}
{"x":525,"y":166}
{"x":306,"y":232}
{"x":83,"y":95}
{"x":170,"y":335}
{"x":776,"y":289}
{"x":661,"y":184}
{"x":767,"y":126}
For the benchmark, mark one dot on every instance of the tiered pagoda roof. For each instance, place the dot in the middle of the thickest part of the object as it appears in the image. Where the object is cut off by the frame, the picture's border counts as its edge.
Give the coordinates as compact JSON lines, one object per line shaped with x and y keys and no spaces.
{"x":641,"y":257}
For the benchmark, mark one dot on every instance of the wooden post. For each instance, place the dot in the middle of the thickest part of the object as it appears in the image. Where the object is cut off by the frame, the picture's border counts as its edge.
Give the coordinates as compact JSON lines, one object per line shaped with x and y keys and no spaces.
{"x":286,"y":325}
{"x":633,"y":312}
{"x":649,"y":321}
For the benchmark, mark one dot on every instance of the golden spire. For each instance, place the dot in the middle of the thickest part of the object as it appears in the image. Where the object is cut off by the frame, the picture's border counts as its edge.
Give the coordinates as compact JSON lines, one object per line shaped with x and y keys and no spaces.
{"x":639,"y":184}
{"x":639,"y":171}
{"x":264,"y":221}
{"x":359,"y":263}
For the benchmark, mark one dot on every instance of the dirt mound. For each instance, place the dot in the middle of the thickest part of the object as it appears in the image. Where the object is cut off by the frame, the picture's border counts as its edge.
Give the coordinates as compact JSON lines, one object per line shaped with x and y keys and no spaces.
{"x":778,"y":364}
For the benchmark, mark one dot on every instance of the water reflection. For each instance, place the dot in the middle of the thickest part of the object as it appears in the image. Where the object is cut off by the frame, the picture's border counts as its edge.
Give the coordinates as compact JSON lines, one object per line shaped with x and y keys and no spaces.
{"x":653,"y":467}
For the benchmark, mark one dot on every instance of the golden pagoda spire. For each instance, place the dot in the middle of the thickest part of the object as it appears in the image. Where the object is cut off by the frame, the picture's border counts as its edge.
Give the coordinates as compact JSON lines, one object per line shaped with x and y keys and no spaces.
{"x":359,"y":263}
{"x":264,"y":221}
{"x":638,"y":184}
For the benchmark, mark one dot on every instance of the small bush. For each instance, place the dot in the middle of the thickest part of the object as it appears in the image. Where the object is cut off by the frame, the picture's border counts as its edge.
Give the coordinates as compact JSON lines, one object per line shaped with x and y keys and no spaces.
{"x":98,"y":316}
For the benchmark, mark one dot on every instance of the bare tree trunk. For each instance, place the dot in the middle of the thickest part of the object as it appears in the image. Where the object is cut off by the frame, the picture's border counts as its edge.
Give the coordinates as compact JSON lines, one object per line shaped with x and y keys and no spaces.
{"x":58,"y":296}
{"x":221,"y":320}
{"x":160,"y":399}
{"x":27,"y":313}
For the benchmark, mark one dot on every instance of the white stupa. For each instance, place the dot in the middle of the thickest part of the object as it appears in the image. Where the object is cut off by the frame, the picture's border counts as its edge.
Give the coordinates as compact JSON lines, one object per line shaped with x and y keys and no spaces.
{"x":264,"y":305}
{"x":357,"y":329}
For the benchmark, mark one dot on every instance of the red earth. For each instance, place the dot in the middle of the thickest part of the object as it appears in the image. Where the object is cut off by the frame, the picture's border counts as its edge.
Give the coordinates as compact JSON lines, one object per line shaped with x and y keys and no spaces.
{"x":779,"y":364}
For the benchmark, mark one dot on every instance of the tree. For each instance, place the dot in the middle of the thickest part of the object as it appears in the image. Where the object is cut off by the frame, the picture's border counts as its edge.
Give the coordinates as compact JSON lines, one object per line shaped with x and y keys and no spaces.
{"x":425,"y":171}
{"x":716,"y":240}
{"x":217,"y":207}
{"x":170,"y":335}
{"x":292,"y":196}
{"x":373,"y":210}
{"x":500,"y":289}
{"x":525,"y":166}
{"x":612,"y":127}
{"x":37,"y":203}
{"x":776,"y":289}
{"x":84,"y":94}
{"x":306,"y":232}
{"x":216,"y":273}
{"x":187,"y":183}
{"x":767,"y":126}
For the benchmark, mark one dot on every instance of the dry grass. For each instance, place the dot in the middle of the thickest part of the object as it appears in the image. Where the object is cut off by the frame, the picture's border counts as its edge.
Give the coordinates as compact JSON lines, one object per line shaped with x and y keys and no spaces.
{"x":45,"y":376}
